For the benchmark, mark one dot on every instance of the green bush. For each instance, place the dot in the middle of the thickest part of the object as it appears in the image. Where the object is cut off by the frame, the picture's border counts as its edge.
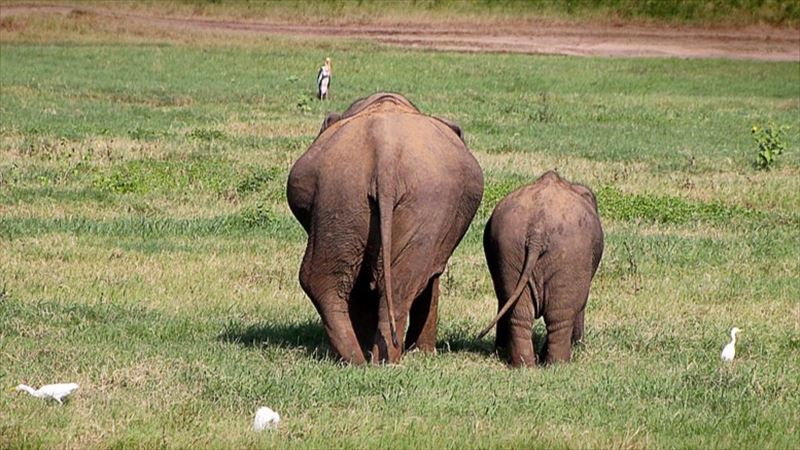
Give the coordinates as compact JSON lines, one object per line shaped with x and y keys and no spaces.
{"x":770,"y":144}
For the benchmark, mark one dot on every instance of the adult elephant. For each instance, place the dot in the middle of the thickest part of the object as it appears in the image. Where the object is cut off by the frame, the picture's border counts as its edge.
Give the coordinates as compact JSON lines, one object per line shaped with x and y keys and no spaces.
{"x":385,"y":194}
{"x":543,"y":244}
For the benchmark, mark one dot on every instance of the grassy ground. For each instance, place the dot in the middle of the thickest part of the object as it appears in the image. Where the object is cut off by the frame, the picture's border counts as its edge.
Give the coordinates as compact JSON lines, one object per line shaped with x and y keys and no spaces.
{"x":147,"y":252}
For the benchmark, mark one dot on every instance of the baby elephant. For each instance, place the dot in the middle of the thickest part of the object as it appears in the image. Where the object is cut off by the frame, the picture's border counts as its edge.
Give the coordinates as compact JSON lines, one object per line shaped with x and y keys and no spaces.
{"x":543,"y":244}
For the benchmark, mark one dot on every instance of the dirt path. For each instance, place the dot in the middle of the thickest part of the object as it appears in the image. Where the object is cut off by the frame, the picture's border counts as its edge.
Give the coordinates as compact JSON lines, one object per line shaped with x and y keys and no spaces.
{"x":755,"y":43}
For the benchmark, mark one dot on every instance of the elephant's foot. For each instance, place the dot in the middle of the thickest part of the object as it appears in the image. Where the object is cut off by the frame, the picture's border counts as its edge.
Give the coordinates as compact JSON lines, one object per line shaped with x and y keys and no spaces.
{"x":384,"y":352}
{"x":577,"y":328}
{"x":356,"y":359}
{"x":423,"y":319}
{"x":341,"y":335}
{"x":524,"y":359}
{"x":426,"y":342}
{"x":559,"y":342}
{"x":520,"y":344}
{"x":346,"y":352}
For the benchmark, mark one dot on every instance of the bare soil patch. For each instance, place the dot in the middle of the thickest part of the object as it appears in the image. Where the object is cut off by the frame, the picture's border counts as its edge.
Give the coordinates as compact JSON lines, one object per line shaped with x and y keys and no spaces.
{"x":602,"y":40}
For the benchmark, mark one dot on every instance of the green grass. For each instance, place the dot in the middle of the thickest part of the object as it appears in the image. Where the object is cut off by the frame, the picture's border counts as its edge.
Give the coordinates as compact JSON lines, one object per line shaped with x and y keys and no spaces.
{"x":147,"y":251}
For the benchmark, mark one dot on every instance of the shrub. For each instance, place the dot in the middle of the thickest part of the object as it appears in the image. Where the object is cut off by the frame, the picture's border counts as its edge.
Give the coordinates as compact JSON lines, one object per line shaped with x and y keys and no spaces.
{"x":770,"y":144}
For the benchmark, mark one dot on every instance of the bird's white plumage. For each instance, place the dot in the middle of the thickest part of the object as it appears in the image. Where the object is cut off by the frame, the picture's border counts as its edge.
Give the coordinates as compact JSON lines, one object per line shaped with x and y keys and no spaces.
{"x":324,"y":79}
{"x":729,"y":351}
{"x":55,"y":391}
{"x":266,"y":418}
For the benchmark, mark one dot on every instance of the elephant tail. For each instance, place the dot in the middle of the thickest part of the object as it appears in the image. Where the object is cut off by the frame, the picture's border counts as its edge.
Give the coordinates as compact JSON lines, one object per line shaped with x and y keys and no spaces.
{"x":533,"y":249}
{"x":385,"y":212}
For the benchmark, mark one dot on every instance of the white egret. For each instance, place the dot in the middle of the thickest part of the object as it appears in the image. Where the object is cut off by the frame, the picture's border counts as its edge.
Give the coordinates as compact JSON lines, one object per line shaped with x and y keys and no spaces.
{"x":54,"y":391}
{"x":266,"y":418}
{"x":730,"y":350}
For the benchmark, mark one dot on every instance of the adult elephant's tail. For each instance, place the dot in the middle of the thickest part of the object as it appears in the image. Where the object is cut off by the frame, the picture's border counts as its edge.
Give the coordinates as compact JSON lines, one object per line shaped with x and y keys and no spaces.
{"x":533,"y":248}
{"x":385,"y":212}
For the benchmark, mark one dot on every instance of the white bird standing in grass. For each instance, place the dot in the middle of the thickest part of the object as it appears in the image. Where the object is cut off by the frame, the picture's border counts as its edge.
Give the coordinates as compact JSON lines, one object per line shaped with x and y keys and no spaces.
{"x":54,"y":391}
{"x":266,"y":418}
{"x":324,"y":79}
{"x":730,"y":350}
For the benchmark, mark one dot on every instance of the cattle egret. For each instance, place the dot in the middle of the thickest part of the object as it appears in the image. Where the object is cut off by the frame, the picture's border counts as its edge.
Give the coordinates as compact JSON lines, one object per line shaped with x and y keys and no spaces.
{"x":730,"y":350}
{"x":266,"y":418}
{"x":54,"y":391}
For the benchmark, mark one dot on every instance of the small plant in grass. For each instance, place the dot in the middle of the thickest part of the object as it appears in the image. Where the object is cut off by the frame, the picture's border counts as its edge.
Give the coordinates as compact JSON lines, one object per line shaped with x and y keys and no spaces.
{"x":545,"y":112}
{"x":633,"y":268}
{"x":258,"y":216}
{"x":770,"y":144}
{"x":142,"y":134}
{"x":207,"y":135}
{"x":256,"y":180}
{"x":303,"y":104}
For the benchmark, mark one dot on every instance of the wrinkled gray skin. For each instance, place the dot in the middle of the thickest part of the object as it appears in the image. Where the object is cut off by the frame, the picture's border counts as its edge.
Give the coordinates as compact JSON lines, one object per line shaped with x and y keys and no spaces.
{"x":382,"y":178}
{"x":543,"y":244}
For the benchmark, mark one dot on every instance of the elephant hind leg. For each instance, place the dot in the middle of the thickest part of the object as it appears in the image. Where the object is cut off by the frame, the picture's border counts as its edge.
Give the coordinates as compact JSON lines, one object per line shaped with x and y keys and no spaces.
{"x":383,"y":349}
{"x":565,"y":323}
{"x":334,"y":311}
{"x":577,"y":328}
{"x":520,"y":343}
{"x":340,"y":332}
{"x":564,"y":317}
{"x":559,"y":344}
{"x":423,"y":317}
{"x":363,"y":310}
{"x":411,"y":279}
{"x":515,"y":329}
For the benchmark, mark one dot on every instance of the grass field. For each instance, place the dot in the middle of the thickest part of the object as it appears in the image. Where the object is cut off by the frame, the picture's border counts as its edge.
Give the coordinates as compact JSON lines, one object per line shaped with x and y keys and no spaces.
{"x":148,"y":254}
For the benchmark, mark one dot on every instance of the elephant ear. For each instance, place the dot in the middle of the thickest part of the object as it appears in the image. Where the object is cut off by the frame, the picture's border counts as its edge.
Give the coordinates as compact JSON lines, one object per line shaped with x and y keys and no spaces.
{"x":587,"y":194}
{"x":330,"y":119}
{"x":453,"y":126}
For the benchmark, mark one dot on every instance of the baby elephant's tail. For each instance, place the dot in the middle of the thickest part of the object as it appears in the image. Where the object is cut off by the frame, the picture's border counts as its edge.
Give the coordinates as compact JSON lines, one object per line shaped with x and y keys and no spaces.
{"x":533,"y":249}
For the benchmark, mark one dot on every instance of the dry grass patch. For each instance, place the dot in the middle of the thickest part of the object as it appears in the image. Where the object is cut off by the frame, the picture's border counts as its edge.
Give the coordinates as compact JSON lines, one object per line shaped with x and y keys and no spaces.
{"x":260,"y":125}
{"x":89,"y":26}
{"x":17,"y":148}
{"x":41,"y":207}
{"x":579,"y":170}
{"x":761,"y":190}
{"x":81,"y":26}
